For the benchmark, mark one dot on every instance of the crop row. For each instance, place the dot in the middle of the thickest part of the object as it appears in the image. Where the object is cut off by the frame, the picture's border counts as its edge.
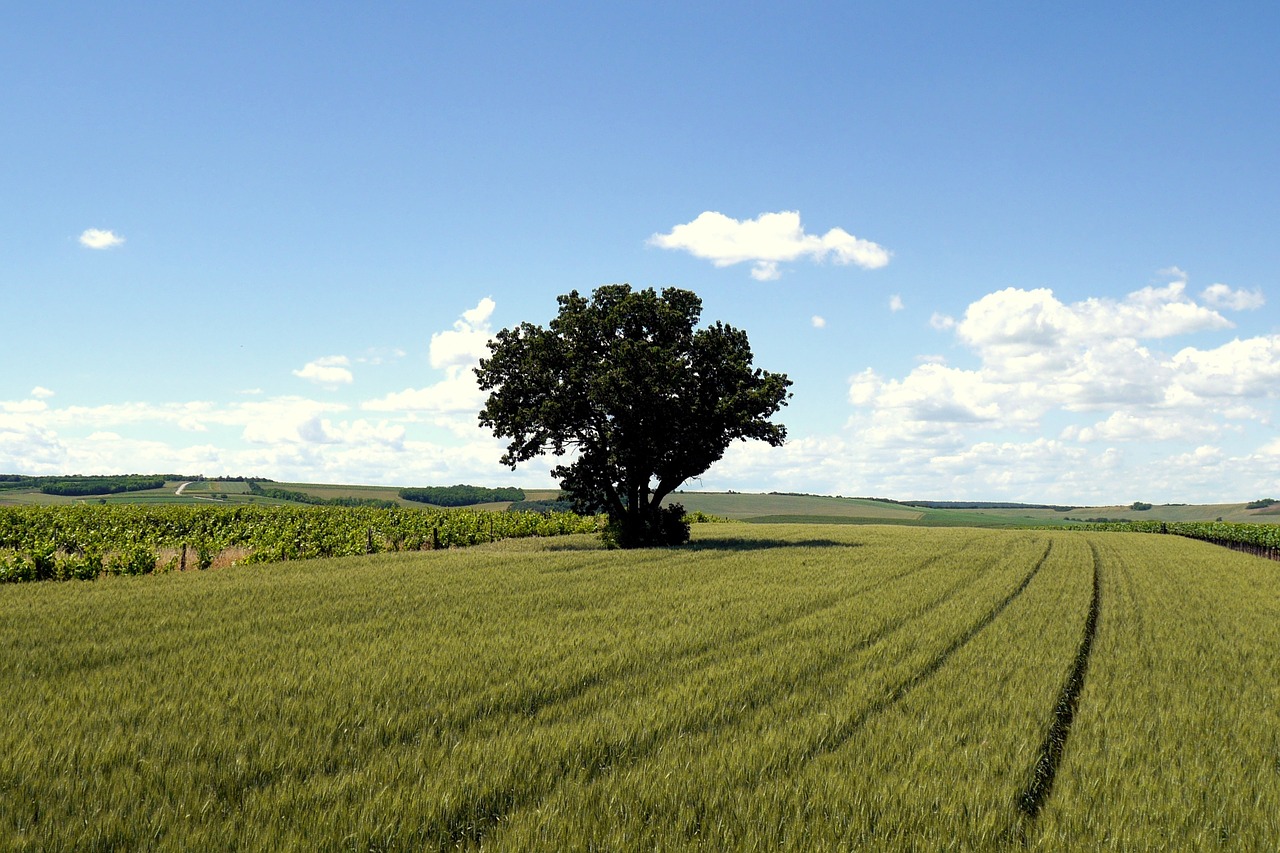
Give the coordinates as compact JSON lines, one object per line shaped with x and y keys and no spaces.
{"x":769,"y":687}
{"x":85,"y":541}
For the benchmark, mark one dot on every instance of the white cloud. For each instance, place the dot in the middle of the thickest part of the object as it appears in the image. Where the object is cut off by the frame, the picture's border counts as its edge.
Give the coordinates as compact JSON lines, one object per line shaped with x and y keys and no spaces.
{"x":1043,"y":364}
{"x":1128,"y":426}
{"x":465,"y":344}
{"x":818,"y":322}
{"x":863,"y":387}
{"x":457,"y":393}
{"x":329,"y":370}
{"x":1224,"y":297}
{"x":454,"y":401}
{"x":1018,"y":322}
{"x":895,"y":303}
{"x":22,"y":406}
{"x":98,"y":238}
{"x":766,"y":241}
{"x":41,"y":393}
{"x":1248,"y":368}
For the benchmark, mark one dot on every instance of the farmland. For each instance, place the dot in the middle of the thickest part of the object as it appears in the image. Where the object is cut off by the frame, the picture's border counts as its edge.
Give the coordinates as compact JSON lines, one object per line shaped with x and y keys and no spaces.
{"x":804,"y":687}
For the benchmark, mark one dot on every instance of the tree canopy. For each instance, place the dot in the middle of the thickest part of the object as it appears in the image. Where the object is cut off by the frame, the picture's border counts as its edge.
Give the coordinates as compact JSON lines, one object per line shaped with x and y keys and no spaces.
{"x":643,"y":400}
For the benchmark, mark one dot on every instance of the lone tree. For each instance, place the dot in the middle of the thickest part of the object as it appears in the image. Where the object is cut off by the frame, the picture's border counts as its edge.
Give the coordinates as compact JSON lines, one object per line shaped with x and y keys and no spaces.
{"x":644,"y":400}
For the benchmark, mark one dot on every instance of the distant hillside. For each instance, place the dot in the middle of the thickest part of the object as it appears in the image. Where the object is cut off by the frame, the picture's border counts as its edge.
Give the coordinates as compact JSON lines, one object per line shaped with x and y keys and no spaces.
{"x":767,"y":508}
{"x":751,"y":507}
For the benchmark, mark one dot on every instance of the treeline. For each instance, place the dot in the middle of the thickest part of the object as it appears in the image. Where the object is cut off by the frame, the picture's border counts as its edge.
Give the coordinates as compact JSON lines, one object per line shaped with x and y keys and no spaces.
{"x":461,"y":495}
{"x":85,"y":485}
{"x":979,"y":505}
{"x":541,"y":506}
{"x":78,"y":487}
{"x":313,"y":500}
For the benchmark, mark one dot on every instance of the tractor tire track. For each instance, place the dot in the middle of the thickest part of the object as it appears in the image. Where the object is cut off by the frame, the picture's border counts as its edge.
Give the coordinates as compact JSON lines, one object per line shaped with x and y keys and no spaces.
{"x":471,"y":821}
{"x":844,"y":731}
{"x":698,"y":655}
{"x":1032,"y":799}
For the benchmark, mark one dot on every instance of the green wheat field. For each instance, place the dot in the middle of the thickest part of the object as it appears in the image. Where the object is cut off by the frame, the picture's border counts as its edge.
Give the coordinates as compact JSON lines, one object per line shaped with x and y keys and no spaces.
{"x":771,"y":687}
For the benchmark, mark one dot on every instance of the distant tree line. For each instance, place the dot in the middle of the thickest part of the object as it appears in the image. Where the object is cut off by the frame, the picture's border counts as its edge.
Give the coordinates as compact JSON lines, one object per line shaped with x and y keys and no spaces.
{"x":1260,"y":504}
{"x":77,"y":487}
{"x":976,"y":505}
{"x":313,"y":500}
{"x":461,"y":495}
{"x":542,"y":506}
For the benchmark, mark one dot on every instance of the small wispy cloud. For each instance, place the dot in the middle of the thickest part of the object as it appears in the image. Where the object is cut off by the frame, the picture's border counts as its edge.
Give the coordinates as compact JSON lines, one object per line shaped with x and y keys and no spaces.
{"x":819,"y":322}
{"x":1225,"y":297}
{"x":41,"y":393}
{"x":98,"y":238}
{"x":895,"y":303}
{"x":767,"y":241}
{"x":329,"y":370}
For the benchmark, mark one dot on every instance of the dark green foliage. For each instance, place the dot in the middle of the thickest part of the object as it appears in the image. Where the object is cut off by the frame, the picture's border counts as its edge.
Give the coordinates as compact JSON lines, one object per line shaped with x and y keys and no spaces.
{"x":313,"y":500}
{"x":1260,"y":504}
{"x":964,"y":504}
{"x":83,"y":541}
{"x":86,"y":486}
{"x":646,"y":402}
{"x":542,"y":506}
{"x":461,"y":495}
{"x":1139,"y":506}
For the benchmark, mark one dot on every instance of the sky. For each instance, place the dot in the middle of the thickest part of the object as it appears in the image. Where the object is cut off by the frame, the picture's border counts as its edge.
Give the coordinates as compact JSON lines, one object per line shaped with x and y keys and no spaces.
{"x":1004,"y":251}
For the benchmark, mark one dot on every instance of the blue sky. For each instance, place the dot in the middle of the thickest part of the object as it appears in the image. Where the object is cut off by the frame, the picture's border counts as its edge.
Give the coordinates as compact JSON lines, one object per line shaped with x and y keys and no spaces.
{"x":1005,"y":251}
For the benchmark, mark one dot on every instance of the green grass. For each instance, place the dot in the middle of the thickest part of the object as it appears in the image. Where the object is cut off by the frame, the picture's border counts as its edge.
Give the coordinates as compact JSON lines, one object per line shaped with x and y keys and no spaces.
{"x":794,"y":687}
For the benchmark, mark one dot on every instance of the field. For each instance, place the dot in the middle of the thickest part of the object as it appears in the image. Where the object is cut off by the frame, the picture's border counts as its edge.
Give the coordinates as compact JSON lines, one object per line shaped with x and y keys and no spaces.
{"x":796,"y":687}
{"x":756,"y":508}
{"x":800,"y":509}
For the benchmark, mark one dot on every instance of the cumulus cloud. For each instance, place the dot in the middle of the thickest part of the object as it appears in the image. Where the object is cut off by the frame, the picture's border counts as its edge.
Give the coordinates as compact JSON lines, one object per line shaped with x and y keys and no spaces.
{"x":895,"y":303}
{"x":98,"y":238}
{"x":1019,"y":321}
{"x":1229,"y":299}
{"x":1042,"y":363}
{"x":818,"y":321}
{"x":452,"y":402}
{"x":1248,"y":368}
{"x":457,"y":393}
{"x":1130,"y":426}
{"x":465,"y":343}
{"x":41,"y":393}
{"x":329,"y":370}
{"x":767,"y":241}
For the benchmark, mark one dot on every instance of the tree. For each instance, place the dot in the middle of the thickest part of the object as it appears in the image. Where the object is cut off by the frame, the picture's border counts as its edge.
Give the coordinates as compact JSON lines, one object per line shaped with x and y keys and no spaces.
{"x":646,"y":402}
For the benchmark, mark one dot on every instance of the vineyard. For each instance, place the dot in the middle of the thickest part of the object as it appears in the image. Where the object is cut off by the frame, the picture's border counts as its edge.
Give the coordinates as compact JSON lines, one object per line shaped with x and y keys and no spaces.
{"x":1261,"y":540}
{"x":785,"y":687}
{"x":86,"y":541}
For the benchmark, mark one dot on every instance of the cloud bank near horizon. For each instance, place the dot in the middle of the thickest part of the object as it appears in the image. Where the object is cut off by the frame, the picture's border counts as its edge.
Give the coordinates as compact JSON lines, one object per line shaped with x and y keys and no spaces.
{"x":1042,"y":400}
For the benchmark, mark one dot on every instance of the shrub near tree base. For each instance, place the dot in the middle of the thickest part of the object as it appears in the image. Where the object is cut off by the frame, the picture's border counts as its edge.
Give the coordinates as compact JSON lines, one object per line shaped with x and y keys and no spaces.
{"x":644,"y":400}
